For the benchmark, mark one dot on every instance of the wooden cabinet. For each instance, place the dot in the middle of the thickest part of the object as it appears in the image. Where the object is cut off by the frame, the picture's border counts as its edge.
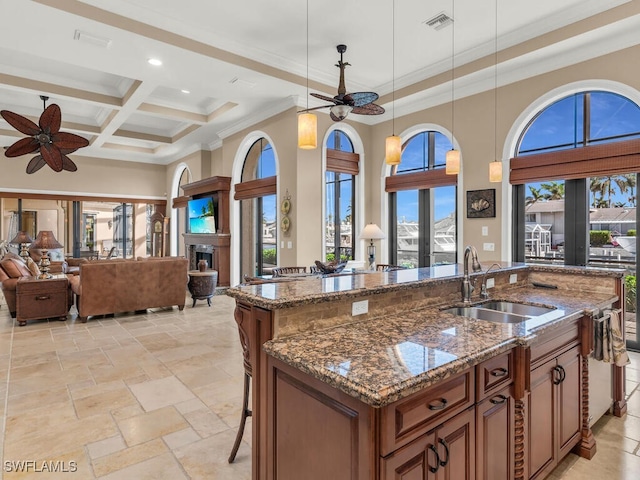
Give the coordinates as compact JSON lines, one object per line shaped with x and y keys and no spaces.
{"x":447,"y":452}
{"x":554,"y":411}
{"x":495,"y":436}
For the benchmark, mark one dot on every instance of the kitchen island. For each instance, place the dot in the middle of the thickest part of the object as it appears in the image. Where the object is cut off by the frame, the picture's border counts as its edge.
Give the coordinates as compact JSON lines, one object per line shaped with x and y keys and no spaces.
{"x":409,"y":391}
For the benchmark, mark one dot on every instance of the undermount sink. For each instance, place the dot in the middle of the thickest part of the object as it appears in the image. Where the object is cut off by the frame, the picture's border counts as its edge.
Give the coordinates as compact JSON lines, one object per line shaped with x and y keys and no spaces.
{"x":500,"y":311}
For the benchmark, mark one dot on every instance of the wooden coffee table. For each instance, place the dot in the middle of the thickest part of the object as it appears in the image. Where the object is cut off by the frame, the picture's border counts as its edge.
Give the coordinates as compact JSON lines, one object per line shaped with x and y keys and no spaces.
{"x":41,"y":298}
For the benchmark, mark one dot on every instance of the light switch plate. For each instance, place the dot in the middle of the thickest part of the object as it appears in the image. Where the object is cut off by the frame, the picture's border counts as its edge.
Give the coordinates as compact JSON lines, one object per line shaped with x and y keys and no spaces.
{"x":289,"y":244}
{"x":485,"y":231}
{"x":488,"y":247}
{"x":513,"y":278}
{"x":491,"y":282}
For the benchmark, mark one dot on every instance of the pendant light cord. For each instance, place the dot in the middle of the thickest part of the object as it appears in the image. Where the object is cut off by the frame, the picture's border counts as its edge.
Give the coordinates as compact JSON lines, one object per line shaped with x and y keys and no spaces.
{"x":393,"y":66}
{"x":453,"y":53}
{"x":307,"y":54}
{"x":495,"y":89}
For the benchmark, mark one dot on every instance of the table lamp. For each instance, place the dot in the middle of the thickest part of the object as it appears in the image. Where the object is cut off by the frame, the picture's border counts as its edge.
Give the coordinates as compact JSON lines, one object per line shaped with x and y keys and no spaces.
{"x":24,"y":240}
{"x":45,"y":241}
{"x":372,"y":232}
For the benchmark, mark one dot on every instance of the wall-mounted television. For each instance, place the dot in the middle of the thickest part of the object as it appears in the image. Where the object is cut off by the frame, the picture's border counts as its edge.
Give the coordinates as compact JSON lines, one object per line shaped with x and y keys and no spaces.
{"x":202,"y":215}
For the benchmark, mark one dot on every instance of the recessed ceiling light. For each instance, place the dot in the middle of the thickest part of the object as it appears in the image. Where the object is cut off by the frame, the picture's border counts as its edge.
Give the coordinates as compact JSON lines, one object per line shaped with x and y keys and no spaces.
{"x":156,"y":62}
{"x":185,"y":91}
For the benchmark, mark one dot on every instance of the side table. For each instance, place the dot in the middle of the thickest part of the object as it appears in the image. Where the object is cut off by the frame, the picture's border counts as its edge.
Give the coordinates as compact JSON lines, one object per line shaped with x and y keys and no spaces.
{"x":41,"y":298}
{"x":202,"y":285}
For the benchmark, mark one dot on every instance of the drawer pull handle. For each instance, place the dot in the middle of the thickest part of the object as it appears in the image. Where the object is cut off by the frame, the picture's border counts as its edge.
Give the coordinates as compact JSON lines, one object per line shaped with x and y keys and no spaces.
{"x":438,"y":463}
{"x":498,"y":400}
{"x":499,"y":372}
{"x":442,"y":405}
{"x":446,"y":450}
{"x":43,"y":297}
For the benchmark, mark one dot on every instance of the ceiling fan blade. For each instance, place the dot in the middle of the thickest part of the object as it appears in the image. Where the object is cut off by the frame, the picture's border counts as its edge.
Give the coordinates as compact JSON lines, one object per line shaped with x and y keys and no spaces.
{"x":315,"y":108}
{"x":358,"y":99}
{"x":51,"y":119}
{"x":22,"y":147}
{"x":35,"y":164}
{"x":325,"y":98}
{"x":65,"y":140}
{"x":20,"y":123}
{"x":368,"y":109}
{"x":52,"y":156}
{"x":67,"y":164}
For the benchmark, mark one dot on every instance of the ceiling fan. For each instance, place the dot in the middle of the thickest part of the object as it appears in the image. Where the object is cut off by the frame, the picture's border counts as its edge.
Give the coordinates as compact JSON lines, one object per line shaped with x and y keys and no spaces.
{"x":360,"y":103}
{"x":46,"y":138}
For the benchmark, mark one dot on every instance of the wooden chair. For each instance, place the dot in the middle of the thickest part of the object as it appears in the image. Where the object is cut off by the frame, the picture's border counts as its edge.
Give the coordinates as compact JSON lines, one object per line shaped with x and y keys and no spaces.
{"x":382,"y":267}
{"x":246,"y":411}
{"x":280,"y":271}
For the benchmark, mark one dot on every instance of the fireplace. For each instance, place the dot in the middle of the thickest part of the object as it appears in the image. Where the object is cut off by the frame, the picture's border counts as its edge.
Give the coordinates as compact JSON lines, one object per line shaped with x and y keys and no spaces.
{"x":212,"y":247}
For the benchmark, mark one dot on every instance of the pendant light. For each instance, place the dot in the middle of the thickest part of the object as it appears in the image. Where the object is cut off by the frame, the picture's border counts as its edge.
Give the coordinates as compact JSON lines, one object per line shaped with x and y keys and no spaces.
{"x":307,"y":122}
{"x":452,"y":159}
{"x":393,"y":145}
{"x":495,"y":167}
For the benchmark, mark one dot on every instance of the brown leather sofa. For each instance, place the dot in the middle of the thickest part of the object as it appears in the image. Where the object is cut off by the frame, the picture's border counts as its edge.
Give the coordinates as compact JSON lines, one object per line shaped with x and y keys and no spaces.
{"x":12,"y":268}
{"x":114,"y":286}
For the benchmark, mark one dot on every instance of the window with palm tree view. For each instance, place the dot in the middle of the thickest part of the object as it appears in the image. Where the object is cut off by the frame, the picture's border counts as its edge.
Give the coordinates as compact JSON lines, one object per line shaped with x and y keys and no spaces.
{"x":608,"y":201}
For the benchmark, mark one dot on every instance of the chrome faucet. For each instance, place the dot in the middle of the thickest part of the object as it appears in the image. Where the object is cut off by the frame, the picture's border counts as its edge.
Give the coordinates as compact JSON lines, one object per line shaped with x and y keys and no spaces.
{"x":483,"y":290}
{"x":467,"y":287}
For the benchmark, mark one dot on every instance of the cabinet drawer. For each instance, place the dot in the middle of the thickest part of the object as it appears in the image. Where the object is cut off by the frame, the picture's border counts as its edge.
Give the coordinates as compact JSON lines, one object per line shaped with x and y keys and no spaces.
{"x":31,"y":306}
{"x":494,"y":374}
{"x":407,"y":419}
{"x":554,"y":342}
{"x":41,"y":286}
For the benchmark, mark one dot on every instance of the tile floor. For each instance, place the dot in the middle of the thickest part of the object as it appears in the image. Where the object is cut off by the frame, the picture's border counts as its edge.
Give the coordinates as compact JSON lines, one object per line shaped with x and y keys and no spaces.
{"x":157,"y":396}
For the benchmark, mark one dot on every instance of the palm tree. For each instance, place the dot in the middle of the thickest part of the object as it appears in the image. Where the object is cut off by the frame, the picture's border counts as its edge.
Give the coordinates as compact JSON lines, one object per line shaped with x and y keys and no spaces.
{"x":536,"y":195}
{"x":555,"y":189}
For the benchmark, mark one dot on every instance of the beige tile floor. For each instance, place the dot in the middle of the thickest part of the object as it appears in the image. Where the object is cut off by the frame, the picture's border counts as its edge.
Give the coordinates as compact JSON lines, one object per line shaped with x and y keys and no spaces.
{"x":157,"y":396}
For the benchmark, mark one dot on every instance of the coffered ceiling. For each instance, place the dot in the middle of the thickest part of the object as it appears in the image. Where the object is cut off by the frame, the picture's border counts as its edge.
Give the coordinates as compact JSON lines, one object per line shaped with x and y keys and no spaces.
{"x":243,"y":61}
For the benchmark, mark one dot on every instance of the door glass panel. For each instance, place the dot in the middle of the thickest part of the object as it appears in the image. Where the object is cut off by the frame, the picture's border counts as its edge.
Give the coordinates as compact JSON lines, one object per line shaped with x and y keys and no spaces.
{"x":407,"y":230}
{"x":444,"y":225}
{"x":268,"y":234}
{"x":612,"y":235}
{"x":544,"y":222}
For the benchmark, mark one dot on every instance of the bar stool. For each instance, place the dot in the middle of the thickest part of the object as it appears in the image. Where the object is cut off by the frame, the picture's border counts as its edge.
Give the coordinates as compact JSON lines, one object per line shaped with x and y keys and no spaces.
{"x":246,"y":412}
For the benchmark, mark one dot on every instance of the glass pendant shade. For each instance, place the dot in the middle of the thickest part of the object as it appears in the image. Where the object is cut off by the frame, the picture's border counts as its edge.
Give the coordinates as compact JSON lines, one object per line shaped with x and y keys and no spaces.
{"x":452,"y":162}
{"x":392,"y":150}
{"x":307,"y":131}
{"x":495,"y":172}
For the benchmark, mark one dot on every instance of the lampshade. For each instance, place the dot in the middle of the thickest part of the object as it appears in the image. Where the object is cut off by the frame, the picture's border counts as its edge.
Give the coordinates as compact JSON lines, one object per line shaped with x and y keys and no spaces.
{"x":372,"y":232}
{"x":453,"y":162}
{"x":495,"y":172}
{"x":307,"y":131}
{"x":341,"y":111}
{"x":22,"y":237}
{"x":393,"y":150}
{"x":46,"y":240}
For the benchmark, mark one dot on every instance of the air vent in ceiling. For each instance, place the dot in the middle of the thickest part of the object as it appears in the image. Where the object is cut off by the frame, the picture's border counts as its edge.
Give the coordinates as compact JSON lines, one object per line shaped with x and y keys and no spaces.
{"x":243,"y":83}
{"x":441,"y":20}
{"x":85,"y":37}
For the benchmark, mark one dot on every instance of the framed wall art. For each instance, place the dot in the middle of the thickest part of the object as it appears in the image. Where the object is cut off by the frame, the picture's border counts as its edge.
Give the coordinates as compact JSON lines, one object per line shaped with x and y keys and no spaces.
{"x":481,"y":203}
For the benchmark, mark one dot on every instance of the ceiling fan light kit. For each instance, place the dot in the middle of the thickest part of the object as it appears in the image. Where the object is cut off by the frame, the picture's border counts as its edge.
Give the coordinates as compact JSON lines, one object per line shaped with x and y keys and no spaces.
{"x":46,"y":138}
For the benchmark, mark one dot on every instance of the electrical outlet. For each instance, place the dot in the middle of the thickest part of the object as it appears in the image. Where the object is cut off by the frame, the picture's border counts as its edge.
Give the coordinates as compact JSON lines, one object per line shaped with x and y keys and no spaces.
{"x":491,"y":282}
{"x":485,"y":231}
{"x":513,"y":278}
{"x":488,"y":247}
{"x":289,"y":244}
{"x":360,"y":308}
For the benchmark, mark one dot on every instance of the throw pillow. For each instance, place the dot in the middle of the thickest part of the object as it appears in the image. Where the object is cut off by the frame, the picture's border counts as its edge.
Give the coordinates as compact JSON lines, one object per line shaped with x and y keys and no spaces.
{"x":33,"y":267}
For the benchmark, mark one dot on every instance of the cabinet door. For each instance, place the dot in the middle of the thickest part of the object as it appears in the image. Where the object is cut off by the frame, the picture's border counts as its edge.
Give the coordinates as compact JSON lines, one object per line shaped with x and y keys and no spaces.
{"x":495,"y":437}
{"x":569,"y":400}
{"x":418,"y":460}
{"x":456,"y":444}
{"x":541,"y":419}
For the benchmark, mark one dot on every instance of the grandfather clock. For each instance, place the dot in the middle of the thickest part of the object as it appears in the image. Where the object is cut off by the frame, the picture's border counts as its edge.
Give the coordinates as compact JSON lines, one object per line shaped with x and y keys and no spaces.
{"x":157,"y":234}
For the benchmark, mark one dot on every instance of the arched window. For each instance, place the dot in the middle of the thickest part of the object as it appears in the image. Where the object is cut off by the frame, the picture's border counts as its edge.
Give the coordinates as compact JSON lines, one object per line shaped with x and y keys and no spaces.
{"x":422,"y":204}
{"x":257,"y":192}
{"x":340,"y":197}
{"x":574,"y":182}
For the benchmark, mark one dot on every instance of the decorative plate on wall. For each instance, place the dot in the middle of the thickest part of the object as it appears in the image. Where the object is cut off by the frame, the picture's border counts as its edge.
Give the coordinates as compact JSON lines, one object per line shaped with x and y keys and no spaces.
{"x":285,"y":223}
{"x":285,"y":206}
